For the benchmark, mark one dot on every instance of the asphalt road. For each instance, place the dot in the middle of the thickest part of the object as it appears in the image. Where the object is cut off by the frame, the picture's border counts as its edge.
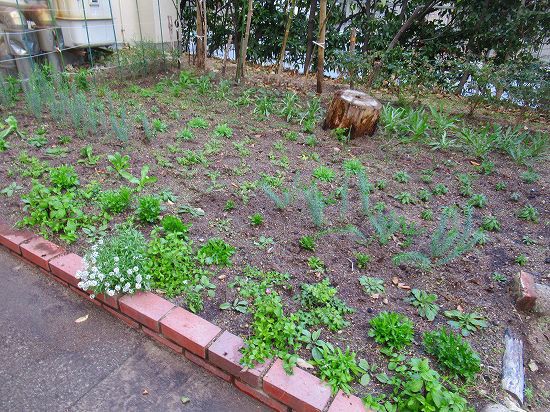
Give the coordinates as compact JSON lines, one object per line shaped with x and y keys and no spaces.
{"x":49,"y":362}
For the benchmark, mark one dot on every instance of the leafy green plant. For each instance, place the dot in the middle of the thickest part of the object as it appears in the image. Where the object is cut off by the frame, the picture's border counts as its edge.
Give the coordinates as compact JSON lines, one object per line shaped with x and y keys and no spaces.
{"x":115,"y":201}
{"x":392,"y":330}
{"x":466,"y":323}
{"x":140,"y":182}
{"x":353,"y":166}
{"x":119,"y":162}
{"x":372,"y":286}
{"x":149,"y":208}
{"x":427,"y":214}
{"x":405,"y":198}
{"x":440,"y":189}
{"x":490,"y":223}
{"x":362,"y":260}
{"x":10,"y":189}
{"x":453,"y":353}
{"x":264,"y":242}
{"x":307,"y":243}
{"x":185,"y":134}
{"x":384,"y":225}
{"x":256,"y":219}
{"x":342,"y":134}
{"x":223,"y":130}
{"x":87,"y":156}
{"x":316,"y":205}
{"x":424,"y":195}
{"x":529,"y":177}
{"x":425,"y":303}
{"x":64,"y":177}
{"x":197,"y":123}
{"x":159,"y":126}
{"x":499,"y":277}
{"x":477,"y":200}
{"x":529,"y":213}
{"x":521,"y":260}
{"x":216,"y":252}
{"x":324,"y":174}
{"x":401,"y":177}
{"x":316,"y":264}
{"x":238,"y":305}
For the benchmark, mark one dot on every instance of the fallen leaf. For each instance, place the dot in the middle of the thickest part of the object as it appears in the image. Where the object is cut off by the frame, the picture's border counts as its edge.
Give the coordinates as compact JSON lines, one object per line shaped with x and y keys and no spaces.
{"x":81,"y":319}
{"x":304,"y":364}
{"x":185,"y":399}
{"x":395,"y":280}
{"x":222,"y":277}
{"x":459,"y":308}
{"x":145,"y":392}
{"x":473,"y":163}
{"x":533,"y":366}
{"x":375,"y":295}
{"x":403,"y":286}
{"x":385,"y":301}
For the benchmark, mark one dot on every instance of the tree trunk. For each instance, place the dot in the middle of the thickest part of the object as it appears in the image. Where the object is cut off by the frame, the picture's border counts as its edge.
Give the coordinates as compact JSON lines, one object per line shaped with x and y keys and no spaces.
{"x":309,"y":37}
{"x":201,"y":34}
{"x":462,"y":82}
{"x":226,"y":54}
{"x":352,"y":53}
{"x":367,"y":17}
{"x":285,"y":37}
{"x":321,"y":45}
{"x":353,"y":110}
{"x":241,"y":61}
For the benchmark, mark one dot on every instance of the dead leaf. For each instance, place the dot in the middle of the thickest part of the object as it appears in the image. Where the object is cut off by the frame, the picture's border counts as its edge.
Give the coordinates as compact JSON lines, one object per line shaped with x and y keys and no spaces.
{"x":375,"y":295}
{"x":459,"y":308}
{"x":403,"y":286}
{"x":304,"y":364}
{"x":185,"y":399}
{"x":474,"y":163}
{"x":222,"y":277}
{"x":533,"y":366}
{"x":385,"y":301}
{"x":81,"y":319}
{"x":145,"y":392}
{"x":395,"y":280}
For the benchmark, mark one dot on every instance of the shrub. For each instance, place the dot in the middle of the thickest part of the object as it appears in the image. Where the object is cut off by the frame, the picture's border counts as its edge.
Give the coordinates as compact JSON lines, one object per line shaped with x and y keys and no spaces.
{"x":116,"y":201}
{"x":116,"y":264}
{"x":453,"y":353}
{"x":392,"y":330}
{"x":149,"y":208}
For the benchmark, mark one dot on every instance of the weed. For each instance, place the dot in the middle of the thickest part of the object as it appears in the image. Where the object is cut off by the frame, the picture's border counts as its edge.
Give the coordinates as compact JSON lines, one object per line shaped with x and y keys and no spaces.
{"x":10,"y":189}
{"x":425,"y":303}
{"x":392,"y":330}
{"x":307,"y":243}
{"x":362,"y":260}
{"x":316,"y":264}
{"x":223,"y":130}
{"x":490,"y":223}
{"x":342,"y":134}
{"x":466,"y":323}
{"x":486,"y":167}
{"x":238,"y":305}
{"x":372,"y":286}
{"x":216,"y":252}
{"x":499,"y":277}
{"x":149,"y":208}
{"x":115,"y":201}
{"x":529,"y":213}
{"x":521,"y":260}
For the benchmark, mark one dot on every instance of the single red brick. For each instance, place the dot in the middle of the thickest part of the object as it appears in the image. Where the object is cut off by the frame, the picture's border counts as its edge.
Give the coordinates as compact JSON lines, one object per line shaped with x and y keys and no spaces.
{"x":347,"y":403}
{"x":124,"y":318}
{"x":66,"y":266}
{"x":210,"y":368}
{"x":301,"y":391}
{"x":111,"y":301}
{"x":189,"y":330}
{"x":40,"y":251}
{"x":526,"y":291}
{"x":145,"y":307}
{"x":261,"y":396}
{"x":12,"y":238}
{"x":225,"y":354}
{"x":163,"y":341}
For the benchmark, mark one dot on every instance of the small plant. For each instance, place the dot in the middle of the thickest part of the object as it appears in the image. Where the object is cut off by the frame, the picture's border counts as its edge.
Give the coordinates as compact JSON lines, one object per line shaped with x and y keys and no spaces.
{"x":353,"y":166}
{"x":392,"y":330}
{"x":223,"y":130}
{"x":466,"y":323}
{"x":440,"y":189}
{"x":291,"y":135}
{"x":324,"y":174}
{"x":185,"y":134}
{"x":87,"y":156}
{"x":149,"y":208}
{"x":115,"y":201}
{"x":405,"y":198}
{"x":316,"y":264}
{"x":362,"y":260}
{"x":514,"y":197}
{"x":499,"y":277}
{"x":119,"y":162}
{"x":197,"y":123}
{"x":307,"y":243}
{"x":477,"y":200}
{"x":159,"y":126}
{"x":427,"y":214}
{"x":526,"y":240}
{"x":482,"y":237}
{"x":529,"y":177}
{"x":424,"y":195}
{"x":427,"y":175}
{"x":486,"y":167}
{"x":238,"y":305}
{"x":521,"y":260}
{"x":372,"y":286}
{"x":425,"y":303}
{"x":264,"y":242}
{"x":401,"y":177}
{"x":10,"y":189}
{"x":264,"y":106}
{"x":465,"y":184}
{"x":529,"y":213}
{"x":380,"y":184}
{"x":256,"y":219}
{"x":384,"y":225}
{"x":140,"y":182}
{"x":216,"y":252}
{"x":341,"y":134}
{"x":173,"y":224}
{"x":500,"y":186}
{"x":229,"y":206}
{"x":316,"y":205}
{"x":490,"y":223}
{"x":64,"y":177}
{"x":453,"y":353}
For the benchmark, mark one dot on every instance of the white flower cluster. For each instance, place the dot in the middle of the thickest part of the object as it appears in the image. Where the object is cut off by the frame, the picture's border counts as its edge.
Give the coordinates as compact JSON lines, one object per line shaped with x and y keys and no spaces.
{"x":117,"y":280}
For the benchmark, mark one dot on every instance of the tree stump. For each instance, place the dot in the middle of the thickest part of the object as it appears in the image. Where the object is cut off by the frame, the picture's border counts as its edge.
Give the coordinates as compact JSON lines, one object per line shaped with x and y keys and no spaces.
{"x":353,"y":110}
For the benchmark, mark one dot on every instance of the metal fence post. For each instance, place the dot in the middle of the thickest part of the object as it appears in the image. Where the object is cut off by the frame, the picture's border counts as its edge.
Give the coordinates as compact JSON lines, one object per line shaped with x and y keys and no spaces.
{"x":161,"y":36}
{"x":88,"y":36}
{"x":140,"y":34}
{"x":114,"y":34}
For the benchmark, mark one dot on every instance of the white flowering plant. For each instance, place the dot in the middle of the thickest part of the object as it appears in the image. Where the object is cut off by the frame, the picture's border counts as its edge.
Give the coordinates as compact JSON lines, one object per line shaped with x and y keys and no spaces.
{"x":115,"y":264}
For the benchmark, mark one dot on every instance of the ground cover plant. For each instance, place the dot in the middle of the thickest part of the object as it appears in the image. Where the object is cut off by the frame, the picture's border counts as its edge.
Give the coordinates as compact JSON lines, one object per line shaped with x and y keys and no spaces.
{"x":233,"y":203}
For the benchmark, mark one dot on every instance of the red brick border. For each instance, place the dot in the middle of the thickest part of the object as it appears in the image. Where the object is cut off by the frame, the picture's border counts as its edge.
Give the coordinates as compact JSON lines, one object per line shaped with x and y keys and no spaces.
{"x":200,"y":341}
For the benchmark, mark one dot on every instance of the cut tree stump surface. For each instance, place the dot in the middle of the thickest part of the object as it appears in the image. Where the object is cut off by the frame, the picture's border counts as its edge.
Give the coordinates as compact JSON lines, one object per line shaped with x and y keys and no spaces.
{"x":353,"y":110}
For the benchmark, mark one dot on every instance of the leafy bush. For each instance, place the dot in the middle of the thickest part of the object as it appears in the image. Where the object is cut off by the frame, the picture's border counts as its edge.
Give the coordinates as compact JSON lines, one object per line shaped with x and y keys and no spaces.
{"x":116,"y":264}
{"x":392,"y":330}
{"x":216,"y":252}
{"x":116,"y":201}
{"x":149,"y":208}
{"x":453,"y":353}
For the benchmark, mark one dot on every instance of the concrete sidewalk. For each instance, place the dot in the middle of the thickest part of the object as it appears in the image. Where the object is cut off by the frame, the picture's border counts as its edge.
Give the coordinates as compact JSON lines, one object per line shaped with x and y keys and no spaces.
{"x":49,"y":362}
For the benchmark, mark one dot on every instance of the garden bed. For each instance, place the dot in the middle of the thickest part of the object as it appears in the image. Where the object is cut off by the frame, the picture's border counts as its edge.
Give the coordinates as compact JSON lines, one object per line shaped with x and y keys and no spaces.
{"x":218,"y":151}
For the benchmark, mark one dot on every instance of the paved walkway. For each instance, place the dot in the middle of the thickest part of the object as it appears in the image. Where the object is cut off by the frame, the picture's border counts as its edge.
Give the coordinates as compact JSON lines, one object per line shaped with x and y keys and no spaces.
{"x":49,"y":362}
